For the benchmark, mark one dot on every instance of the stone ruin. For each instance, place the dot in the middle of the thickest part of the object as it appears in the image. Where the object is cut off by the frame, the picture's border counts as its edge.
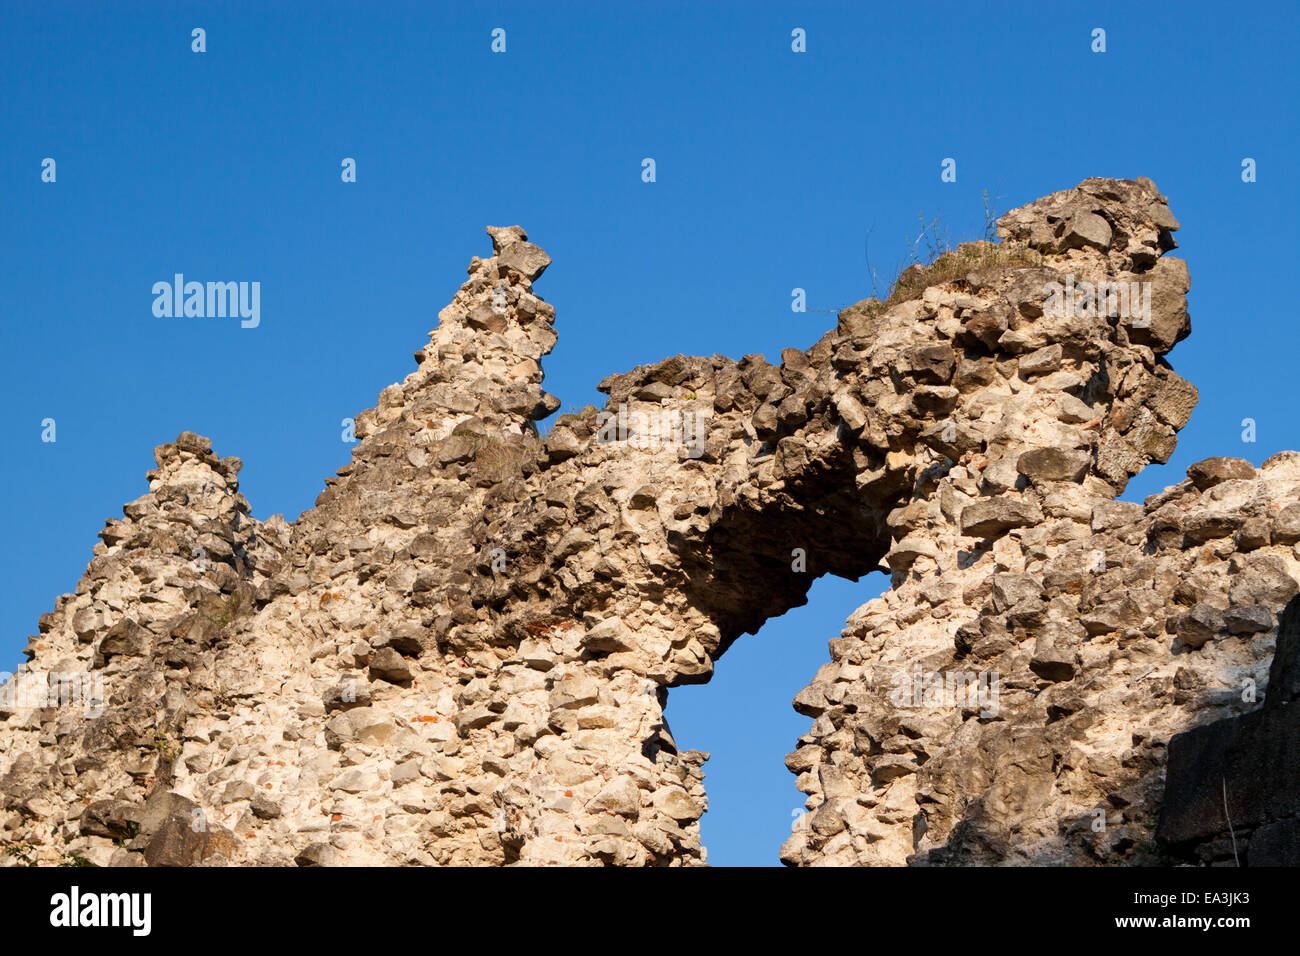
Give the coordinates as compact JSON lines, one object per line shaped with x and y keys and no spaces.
{"x":461,"y":655}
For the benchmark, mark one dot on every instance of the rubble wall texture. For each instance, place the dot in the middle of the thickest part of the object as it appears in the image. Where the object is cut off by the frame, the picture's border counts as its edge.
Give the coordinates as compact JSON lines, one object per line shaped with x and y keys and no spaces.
{"x":461,"y":654}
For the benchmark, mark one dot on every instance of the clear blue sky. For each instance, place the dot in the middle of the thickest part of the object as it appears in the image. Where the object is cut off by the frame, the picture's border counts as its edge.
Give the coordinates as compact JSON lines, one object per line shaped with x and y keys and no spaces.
{"x":771,"y":168}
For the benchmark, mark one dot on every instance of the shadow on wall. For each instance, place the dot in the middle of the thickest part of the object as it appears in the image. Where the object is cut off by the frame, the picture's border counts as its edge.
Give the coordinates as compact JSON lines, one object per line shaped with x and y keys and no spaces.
{"x":1232,"y":793}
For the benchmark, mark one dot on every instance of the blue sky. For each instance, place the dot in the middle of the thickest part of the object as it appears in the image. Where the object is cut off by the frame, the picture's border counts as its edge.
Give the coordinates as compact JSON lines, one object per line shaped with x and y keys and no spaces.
{"x":772,"y":168}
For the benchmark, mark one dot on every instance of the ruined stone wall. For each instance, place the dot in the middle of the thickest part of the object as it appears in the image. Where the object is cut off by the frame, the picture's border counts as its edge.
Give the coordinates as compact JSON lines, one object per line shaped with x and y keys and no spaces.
{"x":461,"y":654}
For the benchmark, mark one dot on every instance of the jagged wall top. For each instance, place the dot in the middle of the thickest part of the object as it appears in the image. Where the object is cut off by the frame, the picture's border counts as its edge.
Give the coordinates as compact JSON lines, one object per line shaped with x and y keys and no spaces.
{"x":461,"y":653}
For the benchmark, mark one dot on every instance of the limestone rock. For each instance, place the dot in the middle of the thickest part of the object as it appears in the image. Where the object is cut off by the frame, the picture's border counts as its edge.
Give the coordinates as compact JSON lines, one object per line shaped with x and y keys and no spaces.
{"x":461,"y":655}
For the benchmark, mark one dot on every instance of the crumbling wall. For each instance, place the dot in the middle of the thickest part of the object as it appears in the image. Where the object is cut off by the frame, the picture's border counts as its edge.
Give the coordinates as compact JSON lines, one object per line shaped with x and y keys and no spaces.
{"x":461,"y":655}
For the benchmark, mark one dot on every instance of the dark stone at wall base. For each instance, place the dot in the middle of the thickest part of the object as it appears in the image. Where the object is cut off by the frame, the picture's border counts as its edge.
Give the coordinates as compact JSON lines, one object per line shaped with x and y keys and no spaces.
{"x":1239,"y":779}
{"x":1256,"y":757}
{"x":1277,"y":844}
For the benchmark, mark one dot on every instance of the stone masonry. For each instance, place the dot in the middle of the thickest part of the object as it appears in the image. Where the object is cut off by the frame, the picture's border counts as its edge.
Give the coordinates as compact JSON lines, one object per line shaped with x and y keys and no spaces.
{"x":461,"y":654}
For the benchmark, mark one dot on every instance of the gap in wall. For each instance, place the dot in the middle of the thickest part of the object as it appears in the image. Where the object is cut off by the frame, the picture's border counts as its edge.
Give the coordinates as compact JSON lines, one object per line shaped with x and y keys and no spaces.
{"x":743,"y":718}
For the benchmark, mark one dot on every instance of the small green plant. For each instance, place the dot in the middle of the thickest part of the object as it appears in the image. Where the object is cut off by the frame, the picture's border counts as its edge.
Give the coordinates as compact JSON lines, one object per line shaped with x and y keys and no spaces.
{"x":990,"y":217}
{"x":933,"y":259}
{"x":221,"y":611}
{"x":931,"y":242}
{"x":132,"y":831}
{"x":24,"y":852}
{"x":72,"y":859}
{"x":166,"y":748}
{"x":498,"y":460}
{"x":230,"y":608}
